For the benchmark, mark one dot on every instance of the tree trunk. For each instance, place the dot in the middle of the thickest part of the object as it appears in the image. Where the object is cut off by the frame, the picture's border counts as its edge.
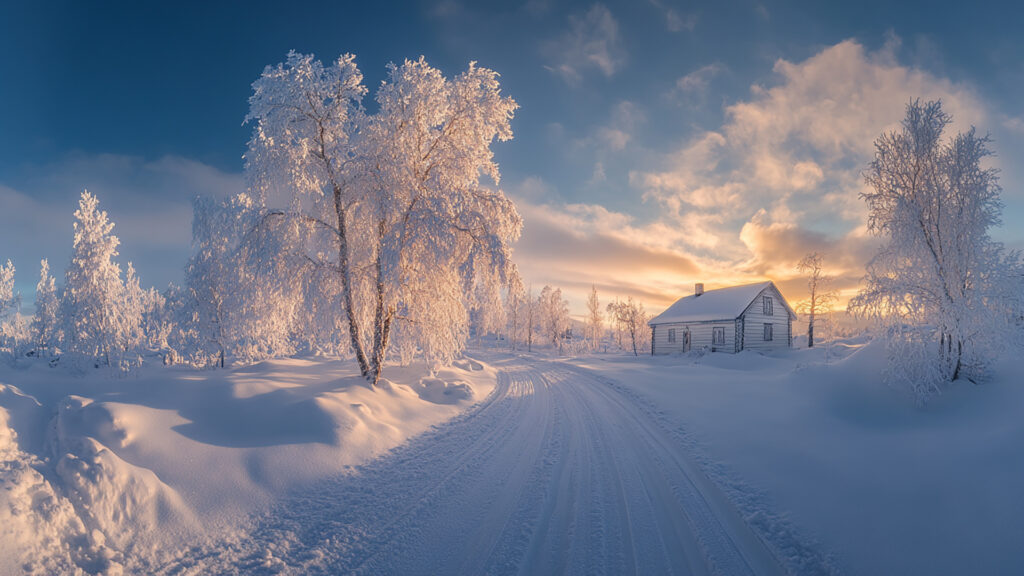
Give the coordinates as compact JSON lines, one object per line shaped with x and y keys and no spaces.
{"x":810,"y":331}
{"x":381,"y":317}
{"x":344,"y":272}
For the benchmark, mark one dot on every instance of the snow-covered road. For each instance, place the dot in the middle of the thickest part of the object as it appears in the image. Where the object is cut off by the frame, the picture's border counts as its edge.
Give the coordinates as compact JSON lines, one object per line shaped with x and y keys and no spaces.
{"x":555,"y":472}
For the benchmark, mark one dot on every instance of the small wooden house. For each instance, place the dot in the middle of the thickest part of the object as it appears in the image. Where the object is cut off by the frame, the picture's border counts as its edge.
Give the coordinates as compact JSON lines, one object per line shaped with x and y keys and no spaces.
{"x":749,"y":317}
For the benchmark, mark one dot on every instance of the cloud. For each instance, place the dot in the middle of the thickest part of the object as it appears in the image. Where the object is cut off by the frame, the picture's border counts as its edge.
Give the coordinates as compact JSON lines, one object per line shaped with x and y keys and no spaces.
{"x":617,"y":133}
{"x":573,"y":246}
{"x":1014,"y":124}
{"x":148,"y":201}
{"x":776,"y":247}
{"x":675,"y":21}
{"x":698,"y":80}
{"x":782,"y":175}
{"x":592,"y":42}
{"x":692,"y":89}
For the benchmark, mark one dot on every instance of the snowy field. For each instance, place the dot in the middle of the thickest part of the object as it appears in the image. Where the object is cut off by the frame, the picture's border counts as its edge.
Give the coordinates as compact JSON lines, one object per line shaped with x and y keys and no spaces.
{"x":99,"y":472}
{"x":713,"y":464}
{"x":828,"y":459}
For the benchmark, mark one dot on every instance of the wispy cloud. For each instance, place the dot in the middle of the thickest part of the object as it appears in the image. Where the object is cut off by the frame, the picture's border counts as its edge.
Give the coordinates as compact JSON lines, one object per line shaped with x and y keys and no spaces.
{"x":593,"y":42}
{"x":576,"y":245}
{"x":692,"y":88}
{"x":675,"y":21}
{"x":613,"y":136}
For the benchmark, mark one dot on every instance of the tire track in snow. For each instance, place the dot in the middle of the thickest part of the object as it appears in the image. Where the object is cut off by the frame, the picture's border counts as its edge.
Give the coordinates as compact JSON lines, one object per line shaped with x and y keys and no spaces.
{"x":555,"y":472}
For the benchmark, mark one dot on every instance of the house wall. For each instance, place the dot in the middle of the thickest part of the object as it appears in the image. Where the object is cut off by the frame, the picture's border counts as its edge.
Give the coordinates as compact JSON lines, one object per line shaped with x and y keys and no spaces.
{"x":701,"y":334}
{"x":753,"y":321}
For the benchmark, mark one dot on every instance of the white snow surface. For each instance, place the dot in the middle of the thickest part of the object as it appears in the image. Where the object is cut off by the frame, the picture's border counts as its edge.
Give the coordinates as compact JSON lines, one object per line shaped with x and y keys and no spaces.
{"x":841,"y":473}
{"x":102,"y":474}
{"x":694,"y":464}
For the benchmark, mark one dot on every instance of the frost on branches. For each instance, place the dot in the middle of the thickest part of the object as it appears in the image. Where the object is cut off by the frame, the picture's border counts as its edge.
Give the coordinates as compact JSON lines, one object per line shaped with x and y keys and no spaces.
{"x":554,"y":316}
{"x":12,"y":325}
{"x":820,"y":295}
{"x":100,"y":315}
{"x":594,"y":320}
{"x":941,"y":286}
{"x":45,"y":327}
{"x":381,"y":222}
{"x":630,"y":319}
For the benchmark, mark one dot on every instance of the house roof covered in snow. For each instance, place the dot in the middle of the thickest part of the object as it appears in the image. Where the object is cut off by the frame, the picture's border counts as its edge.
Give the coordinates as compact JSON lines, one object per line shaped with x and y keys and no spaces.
{"x":721,"y":304}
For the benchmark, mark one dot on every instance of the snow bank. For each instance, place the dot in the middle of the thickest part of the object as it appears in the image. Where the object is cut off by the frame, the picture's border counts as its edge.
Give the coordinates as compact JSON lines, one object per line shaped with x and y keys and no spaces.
{"x":40,"y":531}
{"x":100,"y":474}
{"x":129,"y":505}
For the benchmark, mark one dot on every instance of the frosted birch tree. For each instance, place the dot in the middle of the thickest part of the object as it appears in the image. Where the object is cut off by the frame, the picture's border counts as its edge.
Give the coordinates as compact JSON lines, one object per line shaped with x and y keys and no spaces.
{"x":302,"y":155}
{"x":515,"y":307}
{"x":530,"y":316}
{"x":554,"y":315}
{"x":392,"y":203}
{"x":939,"y":283}
{"x":595,"y":319}
{"x":631,"y":318}
{"x":820,"y":294}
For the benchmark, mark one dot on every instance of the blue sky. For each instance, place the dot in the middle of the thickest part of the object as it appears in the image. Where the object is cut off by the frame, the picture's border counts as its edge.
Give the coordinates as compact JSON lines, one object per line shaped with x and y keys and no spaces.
{"x":658,"y":143}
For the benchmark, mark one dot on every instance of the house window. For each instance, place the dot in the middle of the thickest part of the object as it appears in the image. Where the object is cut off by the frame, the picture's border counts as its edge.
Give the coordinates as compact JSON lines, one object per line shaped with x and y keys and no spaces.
{"x":671,"y":335}
{"x":767,"y":332}
{"x":718,"y":337}
{"x":767,"y":305}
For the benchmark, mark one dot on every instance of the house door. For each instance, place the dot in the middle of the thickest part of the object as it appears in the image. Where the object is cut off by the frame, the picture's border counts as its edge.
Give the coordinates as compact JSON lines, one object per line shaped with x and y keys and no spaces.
{"x":686,"y":341}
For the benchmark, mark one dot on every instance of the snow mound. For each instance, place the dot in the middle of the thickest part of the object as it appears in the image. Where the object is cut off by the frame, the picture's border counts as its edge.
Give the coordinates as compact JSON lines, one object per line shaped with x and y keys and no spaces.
{"x":122,"y":504}
{"x":440,"y":391}
{"x":40,"y":531}
{"x":468,"y":364}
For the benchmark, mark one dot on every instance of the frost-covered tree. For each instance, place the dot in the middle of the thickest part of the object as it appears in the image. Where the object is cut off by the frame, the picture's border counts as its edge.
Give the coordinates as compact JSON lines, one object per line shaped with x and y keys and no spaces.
{"x":820,"y":297}
{"x":488,"y":309}
{"x":96,"y":323}
{"x":515,"y":308}
{"x":10,"y":301}
{"x":11,"y":323}
{"x":391,"y":204}
{"x":939,"y":282}
{"x":45,"y":325}
{"x":530,"y":315}
{"x":209,"y":280}
{"x":595,"y":319}
{"x":554,"y":316}
{"x":302,"y":157}
{"x":146,"y":326}
{"x":631,"y":318}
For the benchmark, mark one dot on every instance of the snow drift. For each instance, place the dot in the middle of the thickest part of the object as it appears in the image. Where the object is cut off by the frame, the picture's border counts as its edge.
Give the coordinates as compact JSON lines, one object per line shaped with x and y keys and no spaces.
{"x":102,"y":475}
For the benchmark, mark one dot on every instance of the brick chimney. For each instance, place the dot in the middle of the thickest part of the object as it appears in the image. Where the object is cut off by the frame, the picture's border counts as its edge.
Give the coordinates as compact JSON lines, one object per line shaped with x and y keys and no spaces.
{"x":698,"y":289}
